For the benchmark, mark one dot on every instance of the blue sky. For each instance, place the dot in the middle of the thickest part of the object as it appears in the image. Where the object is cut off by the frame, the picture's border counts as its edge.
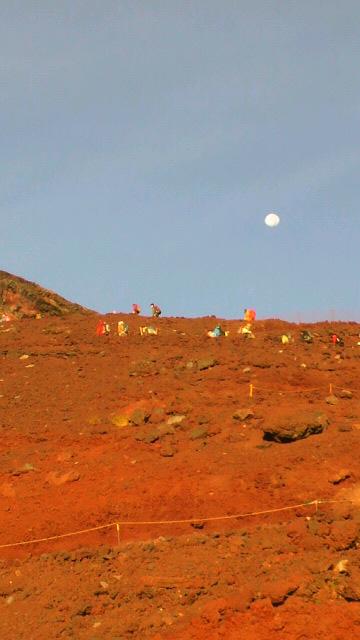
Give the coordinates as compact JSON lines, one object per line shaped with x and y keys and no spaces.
{"x":143,"y":142}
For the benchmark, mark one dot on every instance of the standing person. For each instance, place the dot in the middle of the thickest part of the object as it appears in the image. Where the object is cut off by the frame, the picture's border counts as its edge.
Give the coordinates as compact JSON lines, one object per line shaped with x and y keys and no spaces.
{"x":155,"y":310}
{"x":136,"y":309}
{"x":249,"y":315}
{"x":101,"y":328}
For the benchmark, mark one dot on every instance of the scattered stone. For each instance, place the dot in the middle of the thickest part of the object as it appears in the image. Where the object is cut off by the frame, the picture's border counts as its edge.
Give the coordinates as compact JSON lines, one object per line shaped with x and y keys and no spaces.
{"x":84,"y":611}
{"x":296,"y":426}
{"x":58,"y":479}
{"x":198,"y":433}
{"x":203,"y":420}
{"x":341,"y":567}
{"x":157,"y":415}
{"x":28,"y":466}
{"x":167,"y":452}
{"x":263,"y":363}
{"x":344,"y":474}
{"x":246,"y":370}
{"x":344,"y":428}
{"x":243,"y":414}
{"x":24,"y":357}
{"x":345,"y":394}
{"x":351,"y":590}
{"x":139,"y":416}
{"x":197,"y":525}
{"x":146,"y":436}
{"x":175,"y":420}
{"x":119,"y":420}
{"x":206,"y":363}
{"x":165,"y":429}
{"x":331,"y":399}
{"x":190,"y":365}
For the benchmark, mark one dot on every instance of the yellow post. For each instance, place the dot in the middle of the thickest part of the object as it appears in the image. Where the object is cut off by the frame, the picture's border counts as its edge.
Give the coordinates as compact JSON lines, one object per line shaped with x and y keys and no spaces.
{"x":118,"y":533}
{"x":330,"y":388}
{"x":251,"y":390}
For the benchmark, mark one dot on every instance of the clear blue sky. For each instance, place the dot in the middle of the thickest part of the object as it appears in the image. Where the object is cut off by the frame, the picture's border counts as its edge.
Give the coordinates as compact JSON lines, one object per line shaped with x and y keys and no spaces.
{"x":143,"y":142}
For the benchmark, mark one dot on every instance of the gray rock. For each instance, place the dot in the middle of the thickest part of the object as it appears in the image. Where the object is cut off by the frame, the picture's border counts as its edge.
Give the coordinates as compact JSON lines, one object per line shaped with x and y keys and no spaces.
{"x":167,"y":452}
{"x":165,"y":429}
{"x":175,"y":420}
{"x":243,"y":414}
{"x":345,"y":393}
{"x":139,"y":416}
{"x":206,"y":363}
{"x":199,"y":432}
{"x":157,"y":415}
{"x":296,"y":426}
{"x":146,"y":436}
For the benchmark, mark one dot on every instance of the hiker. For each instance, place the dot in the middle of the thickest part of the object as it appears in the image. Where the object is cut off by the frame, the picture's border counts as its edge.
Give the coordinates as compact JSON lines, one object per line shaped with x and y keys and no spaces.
{"x":101,"y":328}
{"x":336,"y":340}
{"x":136,"y":309}
{"x":155,"y":310}
{"x":249,"y":315}
{"x":148,"y":331}
{"x":306,"y":336}
{"x":246,"y":331}
{"x":122,"y":328}
{"x":217,"y":332}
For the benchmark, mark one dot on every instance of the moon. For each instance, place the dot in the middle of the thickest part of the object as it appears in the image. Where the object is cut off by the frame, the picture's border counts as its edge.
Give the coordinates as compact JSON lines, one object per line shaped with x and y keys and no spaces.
{"x":272,"y":220}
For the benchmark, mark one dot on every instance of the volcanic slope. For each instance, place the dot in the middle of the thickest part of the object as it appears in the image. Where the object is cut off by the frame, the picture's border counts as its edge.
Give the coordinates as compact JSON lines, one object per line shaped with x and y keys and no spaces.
{"x":156,"y":429}
{"x":20,"y":298}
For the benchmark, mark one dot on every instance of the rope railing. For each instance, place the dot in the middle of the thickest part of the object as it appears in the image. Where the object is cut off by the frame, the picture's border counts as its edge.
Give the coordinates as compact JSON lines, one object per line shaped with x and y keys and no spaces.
{"x":254,"y":387}
{"x":139,"y":523}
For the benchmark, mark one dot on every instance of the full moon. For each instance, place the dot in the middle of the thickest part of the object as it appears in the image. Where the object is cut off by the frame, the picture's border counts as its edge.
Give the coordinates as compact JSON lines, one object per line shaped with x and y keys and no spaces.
{"x":272,"y":220}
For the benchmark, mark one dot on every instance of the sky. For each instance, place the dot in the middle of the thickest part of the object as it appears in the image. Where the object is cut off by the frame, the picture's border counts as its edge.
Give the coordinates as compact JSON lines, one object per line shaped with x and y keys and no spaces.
{"x":143,"y":143}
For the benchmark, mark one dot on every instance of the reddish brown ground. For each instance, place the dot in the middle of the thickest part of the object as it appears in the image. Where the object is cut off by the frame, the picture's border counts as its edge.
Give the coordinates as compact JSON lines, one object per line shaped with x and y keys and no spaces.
{"x":65,"y":467}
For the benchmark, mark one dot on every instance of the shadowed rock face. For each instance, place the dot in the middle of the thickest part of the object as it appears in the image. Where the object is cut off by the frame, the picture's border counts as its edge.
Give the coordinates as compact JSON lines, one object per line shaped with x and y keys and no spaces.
{"x":296,"y":426}
{"x":20,"y":298}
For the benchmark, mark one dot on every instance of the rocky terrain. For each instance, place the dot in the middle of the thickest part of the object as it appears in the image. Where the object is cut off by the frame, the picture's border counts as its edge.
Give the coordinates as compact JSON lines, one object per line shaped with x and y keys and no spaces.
{"x":20,"y":298}
{"x":219,"y":478}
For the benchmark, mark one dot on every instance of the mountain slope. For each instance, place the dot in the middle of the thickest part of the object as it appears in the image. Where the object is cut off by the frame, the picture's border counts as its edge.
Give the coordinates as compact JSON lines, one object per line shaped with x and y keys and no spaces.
{"x":20,"y":298}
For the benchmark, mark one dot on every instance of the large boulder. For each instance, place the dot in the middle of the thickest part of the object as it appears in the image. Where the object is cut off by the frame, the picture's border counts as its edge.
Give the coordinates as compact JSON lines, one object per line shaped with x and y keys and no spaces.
{"x":295,"y":426}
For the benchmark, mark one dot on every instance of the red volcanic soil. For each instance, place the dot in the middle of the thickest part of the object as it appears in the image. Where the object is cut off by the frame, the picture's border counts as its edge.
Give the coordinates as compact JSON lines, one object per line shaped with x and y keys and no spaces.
{"x":103,"y":430}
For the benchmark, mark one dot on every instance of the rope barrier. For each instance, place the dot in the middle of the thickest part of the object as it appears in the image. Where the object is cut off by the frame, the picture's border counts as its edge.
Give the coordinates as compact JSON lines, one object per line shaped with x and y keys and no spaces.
{"x":135,"y":523}
{"x":299,"y":390}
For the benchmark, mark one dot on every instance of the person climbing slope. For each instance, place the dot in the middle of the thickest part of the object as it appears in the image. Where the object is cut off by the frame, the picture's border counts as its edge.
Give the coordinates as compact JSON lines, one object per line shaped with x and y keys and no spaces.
{"x":101,"y":328}
{"x":155,"y":310}
{"x":249,"y":315}
{"x":136,"y":309}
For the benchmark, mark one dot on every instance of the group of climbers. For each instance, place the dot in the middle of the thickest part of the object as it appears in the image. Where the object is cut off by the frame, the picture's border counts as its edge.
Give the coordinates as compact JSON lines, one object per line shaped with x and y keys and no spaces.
{"x":155,"y":309}
{"x":104,"y":329}
{"x":246,"y":330}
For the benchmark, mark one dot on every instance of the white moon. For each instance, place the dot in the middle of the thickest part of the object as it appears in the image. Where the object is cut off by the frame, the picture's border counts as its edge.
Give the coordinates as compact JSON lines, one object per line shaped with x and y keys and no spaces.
{"x":272,"y":220}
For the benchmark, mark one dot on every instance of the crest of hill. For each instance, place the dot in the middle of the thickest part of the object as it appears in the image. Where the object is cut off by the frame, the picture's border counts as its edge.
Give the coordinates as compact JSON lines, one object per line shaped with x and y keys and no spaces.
{"x":20,"y":298}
